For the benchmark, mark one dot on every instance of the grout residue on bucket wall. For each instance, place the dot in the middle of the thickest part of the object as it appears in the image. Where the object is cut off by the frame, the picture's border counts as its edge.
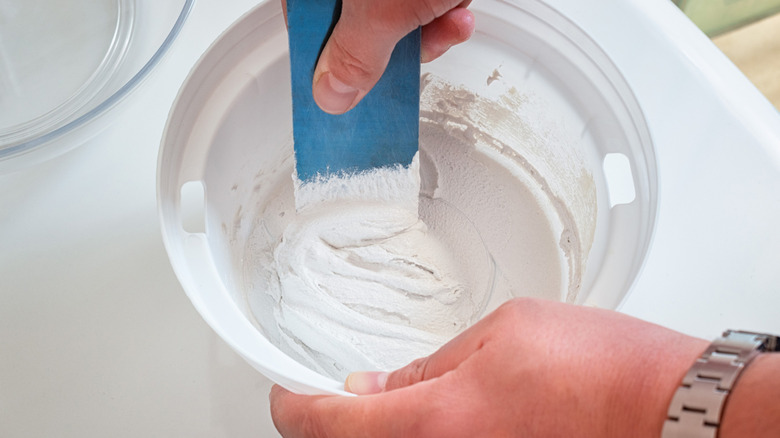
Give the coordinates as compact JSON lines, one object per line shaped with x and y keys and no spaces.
{"x":480,"y":170}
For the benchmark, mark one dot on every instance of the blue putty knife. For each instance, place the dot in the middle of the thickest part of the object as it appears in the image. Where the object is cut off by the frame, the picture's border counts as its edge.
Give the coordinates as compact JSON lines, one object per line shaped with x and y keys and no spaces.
{"x":382,"y":130}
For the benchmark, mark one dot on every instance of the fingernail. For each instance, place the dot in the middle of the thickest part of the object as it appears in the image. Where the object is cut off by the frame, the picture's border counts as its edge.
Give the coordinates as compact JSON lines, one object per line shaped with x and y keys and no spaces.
{"x":366,"y":382}
{"x":332,"y":95}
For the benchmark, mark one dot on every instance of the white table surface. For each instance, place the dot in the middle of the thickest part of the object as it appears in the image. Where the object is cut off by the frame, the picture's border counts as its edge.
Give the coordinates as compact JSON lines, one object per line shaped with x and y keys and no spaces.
{"x":97,"y":338}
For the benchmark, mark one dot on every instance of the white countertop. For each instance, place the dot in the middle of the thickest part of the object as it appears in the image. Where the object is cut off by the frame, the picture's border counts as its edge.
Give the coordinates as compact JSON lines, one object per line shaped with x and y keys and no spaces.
{"x":97,"y":336}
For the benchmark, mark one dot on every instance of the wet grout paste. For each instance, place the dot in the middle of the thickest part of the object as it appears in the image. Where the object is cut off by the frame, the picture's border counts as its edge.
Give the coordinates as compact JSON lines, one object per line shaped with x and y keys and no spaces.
{"x":370,"y":271}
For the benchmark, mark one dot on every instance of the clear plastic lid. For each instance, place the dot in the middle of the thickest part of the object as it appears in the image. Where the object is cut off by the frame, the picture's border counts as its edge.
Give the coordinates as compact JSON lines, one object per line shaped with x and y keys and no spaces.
{"x":65,"y":64}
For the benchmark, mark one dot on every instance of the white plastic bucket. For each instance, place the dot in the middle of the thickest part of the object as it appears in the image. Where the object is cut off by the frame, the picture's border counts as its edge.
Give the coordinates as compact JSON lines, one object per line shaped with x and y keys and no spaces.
{"x":530,"y":92}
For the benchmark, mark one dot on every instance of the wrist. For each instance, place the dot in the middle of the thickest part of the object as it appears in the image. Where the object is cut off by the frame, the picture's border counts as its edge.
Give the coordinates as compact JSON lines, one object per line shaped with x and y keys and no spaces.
{"x":646,"y":385}
{"x":673,"y":367}
{"x":753,"y":407}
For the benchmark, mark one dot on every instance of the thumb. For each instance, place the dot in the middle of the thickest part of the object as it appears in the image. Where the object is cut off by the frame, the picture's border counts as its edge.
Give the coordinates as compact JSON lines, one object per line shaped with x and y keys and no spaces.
{"x":350,"y":65}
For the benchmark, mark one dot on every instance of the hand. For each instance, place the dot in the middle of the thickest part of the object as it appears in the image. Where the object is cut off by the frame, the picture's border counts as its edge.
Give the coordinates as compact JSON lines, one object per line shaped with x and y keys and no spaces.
{"x":360,"y":46}
{"x":531,"y":368}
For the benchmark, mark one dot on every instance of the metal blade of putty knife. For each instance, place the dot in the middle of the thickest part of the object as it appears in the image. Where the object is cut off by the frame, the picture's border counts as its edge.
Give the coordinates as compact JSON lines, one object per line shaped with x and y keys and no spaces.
{"x":382,"y":130}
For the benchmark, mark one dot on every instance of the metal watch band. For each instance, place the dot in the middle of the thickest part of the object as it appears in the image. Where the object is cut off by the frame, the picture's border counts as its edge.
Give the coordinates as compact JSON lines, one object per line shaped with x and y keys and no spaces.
{"x":697,"y":405}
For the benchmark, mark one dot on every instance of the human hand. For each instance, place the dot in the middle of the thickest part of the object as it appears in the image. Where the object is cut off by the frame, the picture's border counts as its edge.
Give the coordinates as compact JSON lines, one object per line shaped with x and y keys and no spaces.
{"x":531,"y":368}
{"x":362,"y":41}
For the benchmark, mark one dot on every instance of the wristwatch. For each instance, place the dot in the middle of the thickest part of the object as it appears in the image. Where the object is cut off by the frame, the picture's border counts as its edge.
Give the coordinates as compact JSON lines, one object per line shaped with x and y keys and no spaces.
{"x":697,"y":404}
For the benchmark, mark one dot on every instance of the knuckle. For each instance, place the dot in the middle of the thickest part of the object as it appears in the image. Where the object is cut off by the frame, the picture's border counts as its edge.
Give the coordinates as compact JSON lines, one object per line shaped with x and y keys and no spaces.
{"x":349,"y":67}
{"x":523,"y":308}
{"x":429,"y":10}
{"x":408,"y":375}
{"x":426,"y":11}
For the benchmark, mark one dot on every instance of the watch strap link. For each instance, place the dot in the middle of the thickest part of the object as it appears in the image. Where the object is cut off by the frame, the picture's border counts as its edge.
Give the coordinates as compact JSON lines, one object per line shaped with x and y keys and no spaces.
{"x":697,"y":405}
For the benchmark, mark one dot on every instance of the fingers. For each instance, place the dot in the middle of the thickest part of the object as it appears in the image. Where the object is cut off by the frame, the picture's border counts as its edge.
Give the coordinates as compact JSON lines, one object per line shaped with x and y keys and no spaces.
{"x":386,"y":415}
{"x":454,"y":27}
{"x":297,"y":416}
{"x":363,"y":39}
{"x":366,"y":382}
{"x":419,"y":398}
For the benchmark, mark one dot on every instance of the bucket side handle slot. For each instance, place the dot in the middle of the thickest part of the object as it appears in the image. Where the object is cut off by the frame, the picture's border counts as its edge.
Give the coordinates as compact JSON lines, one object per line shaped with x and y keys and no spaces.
{"x":192,"y":205}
